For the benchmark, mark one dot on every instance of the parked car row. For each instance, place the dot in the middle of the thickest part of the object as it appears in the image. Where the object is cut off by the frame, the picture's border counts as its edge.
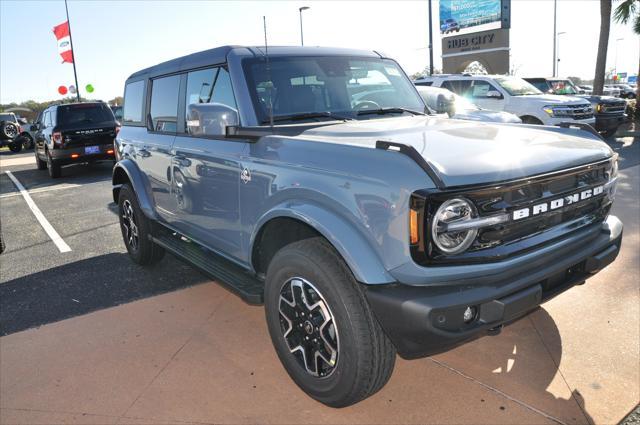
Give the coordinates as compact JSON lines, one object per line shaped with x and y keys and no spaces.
{"x":532,"y":100}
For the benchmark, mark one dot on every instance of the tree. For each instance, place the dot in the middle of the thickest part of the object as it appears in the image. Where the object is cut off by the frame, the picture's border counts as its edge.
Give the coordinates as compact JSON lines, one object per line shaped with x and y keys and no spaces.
{"x":116,"y":101}
{"x":601,"y":61}
{"x":629,"y":10}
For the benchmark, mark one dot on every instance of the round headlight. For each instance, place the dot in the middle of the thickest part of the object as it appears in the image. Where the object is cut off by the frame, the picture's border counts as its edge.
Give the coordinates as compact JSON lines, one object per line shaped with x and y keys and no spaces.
{"x":450,"y":241}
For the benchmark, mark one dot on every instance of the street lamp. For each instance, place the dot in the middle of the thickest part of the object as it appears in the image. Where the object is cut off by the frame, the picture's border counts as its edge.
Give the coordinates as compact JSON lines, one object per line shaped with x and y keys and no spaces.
{"x":557,"y":73}
{"x":301,"y":36}
{"x":616,"y":63}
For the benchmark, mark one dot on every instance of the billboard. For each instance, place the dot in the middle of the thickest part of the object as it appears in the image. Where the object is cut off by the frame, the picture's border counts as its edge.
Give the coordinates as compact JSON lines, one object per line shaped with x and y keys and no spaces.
{"x":465,"y":16}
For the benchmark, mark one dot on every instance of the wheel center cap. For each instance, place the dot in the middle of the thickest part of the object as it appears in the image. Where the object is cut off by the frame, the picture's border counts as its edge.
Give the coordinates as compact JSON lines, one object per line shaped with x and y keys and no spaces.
{"x":308,"y":327}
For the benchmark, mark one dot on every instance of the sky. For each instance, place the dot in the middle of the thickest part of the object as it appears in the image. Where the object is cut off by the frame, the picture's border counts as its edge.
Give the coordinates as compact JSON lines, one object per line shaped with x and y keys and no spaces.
{"x":113,"y":39}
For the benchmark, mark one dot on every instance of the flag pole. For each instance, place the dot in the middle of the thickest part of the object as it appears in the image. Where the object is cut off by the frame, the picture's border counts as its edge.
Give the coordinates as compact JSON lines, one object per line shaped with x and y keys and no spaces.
{"x":73,"y":53}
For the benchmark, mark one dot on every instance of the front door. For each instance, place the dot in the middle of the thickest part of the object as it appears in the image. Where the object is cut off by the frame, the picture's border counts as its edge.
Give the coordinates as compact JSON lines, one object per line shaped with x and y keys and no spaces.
{"x":206,"y":167}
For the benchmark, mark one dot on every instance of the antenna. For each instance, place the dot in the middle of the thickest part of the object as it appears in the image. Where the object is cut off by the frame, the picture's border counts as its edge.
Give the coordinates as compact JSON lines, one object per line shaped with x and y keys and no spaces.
{"x":266,"y":49}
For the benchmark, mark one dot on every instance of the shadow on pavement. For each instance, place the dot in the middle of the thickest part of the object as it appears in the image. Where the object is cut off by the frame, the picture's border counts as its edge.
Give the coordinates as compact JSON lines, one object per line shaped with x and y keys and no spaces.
{"x":31,"y":178}
{"x":549,"y":334}
{"x":85,"y":286}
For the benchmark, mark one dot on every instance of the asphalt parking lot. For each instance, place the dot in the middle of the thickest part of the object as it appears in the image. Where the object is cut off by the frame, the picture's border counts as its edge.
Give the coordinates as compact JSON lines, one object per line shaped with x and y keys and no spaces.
{"x":176,"y":348}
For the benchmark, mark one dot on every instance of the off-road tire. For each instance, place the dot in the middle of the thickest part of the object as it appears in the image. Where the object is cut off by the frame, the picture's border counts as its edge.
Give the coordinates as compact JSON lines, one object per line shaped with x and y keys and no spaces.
{"x":8,"y":130}
{"x":365,"y":358}
{"x":146,"y":252}
{"x":53,"y":167}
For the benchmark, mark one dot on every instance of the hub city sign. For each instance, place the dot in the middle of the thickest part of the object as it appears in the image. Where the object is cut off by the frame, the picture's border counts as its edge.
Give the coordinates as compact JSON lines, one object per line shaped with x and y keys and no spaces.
{"x":490,"y":48}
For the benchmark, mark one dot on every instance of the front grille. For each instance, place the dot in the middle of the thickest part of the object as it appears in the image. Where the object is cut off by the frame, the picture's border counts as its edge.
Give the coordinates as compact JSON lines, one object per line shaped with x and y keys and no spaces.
{"x":615,"y":108}
{"x":517,"y":235}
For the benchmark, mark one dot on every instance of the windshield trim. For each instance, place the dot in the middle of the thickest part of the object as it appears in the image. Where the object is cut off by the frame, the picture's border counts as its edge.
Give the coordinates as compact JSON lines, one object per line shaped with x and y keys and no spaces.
{"x":340,"y":114}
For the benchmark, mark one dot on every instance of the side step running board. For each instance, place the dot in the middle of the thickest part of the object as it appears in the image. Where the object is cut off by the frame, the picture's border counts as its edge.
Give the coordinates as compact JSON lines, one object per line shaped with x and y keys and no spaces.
{"x":230,"y":275}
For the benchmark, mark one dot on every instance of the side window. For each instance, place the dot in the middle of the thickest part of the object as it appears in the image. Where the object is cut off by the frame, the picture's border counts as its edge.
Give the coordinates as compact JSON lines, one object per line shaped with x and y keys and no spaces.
{"x":209,"y":97}
{"x":480,"y":89}
{"x":460,"y":87}
{"x":133,"y":102}
{"x":47,"y":122}
{"x":164,"y":103}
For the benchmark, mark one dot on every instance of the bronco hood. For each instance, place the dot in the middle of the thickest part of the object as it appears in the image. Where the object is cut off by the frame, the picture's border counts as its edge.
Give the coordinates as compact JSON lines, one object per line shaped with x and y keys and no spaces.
{"x":466,"y":152}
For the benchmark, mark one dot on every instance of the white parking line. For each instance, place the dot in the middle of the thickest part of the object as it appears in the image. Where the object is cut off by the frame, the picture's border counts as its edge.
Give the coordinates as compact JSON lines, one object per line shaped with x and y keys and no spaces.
{"x":42,"y":189}
{"x":53,"y":235}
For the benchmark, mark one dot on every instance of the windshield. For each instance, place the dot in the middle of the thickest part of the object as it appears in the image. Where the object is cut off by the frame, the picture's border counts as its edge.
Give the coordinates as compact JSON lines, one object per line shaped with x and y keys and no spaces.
{"x":563,"y":87}
{"x":82,"y":113}
{"x":329,"y":87}
{"x":517,"y":86}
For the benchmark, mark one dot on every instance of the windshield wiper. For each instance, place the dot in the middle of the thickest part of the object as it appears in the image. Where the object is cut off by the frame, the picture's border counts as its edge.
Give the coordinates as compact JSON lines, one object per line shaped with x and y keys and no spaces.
{"x":305,"y":116}
{"x":384,"y":111}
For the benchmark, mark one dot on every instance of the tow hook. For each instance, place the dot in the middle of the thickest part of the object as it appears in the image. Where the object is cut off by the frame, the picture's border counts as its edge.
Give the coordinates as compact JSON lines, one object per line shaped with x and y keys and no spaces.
{"x":495,"y":331}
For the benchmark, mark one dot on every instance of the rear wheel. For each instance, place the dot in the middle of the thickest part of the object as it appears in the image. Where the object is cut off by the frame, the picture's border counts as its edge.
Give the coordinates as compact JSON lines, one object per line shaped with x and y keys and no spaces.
{"x":53,"y":167}
{"x":136,"y":229}
{"x":321,"y":325}
{"x":27,"y":141}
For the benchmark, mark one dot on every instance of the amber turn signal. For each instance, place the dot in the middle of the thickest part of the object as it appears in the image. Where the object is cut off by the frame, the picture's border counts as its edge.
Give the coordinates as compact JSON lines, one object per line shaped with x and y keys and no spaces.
{"x":413,"y":226}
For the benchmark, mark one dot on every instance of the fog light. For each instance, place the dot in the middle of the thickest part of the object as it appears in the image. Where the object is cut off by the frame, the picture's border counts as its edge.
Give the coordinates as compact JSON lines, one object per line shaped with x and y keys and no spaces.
{"x":469,"y":314}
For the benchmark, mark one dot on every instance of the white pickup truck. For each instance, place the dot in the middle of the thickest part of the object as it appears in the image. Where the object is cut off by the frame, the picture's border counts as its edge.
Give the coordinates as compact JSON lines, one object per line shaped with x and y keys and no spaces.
{"x":514,"y":95}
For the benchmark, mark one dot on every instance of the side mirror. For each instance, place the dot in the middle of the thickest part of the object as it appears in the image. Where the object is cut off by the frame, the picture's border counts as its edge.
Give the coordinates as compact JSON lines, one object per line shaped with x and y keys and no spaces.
{"x":211,"y":119}
{"x":34,"y":127}
{"x":494,"y":94}
{"x":445,"y":105}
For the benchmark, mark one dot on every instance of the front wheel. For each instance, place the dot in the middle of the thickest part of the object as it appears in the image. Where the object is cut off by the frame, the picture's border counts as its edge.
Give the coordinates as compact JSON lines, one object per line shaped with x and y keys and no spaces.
{"x":53,"y":167}
{"x":321,"y":325}
{"x":15,"y":147}
{"x":40,"y":163}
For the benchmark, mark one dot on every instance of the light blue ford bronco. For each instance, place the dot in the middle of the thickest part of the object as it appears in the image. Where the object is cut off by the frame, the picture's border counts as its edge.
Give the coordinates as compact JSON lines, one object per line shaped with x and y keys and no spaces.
{"x":315,"y":181}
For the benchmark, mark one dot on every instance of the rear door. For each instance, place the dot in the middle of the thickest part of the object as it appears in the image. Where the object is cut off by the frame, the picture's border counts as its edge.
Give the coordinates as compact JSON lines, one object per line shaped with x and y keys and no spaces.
{"x":153,"y":153}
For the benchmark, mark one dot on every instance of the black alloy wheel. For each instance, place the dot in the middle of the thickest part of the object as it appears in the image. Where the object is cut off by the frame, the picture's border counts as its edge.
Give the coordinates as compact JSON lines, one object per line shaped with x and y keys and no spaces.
{"x":308,"y":327}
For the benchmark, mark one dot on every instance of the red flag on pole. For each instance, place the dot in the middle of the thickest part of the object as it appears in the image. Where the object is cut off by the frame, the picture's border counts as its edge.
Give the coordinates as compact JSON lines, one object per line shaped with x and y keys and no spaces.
{"x":64,"y":41}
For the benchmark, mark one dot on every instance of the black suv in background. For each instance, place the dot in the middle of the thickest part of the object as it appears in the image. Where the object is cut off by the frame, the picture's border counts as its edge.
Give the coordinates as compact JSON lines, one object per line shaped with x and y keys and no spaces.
{"x":608,"y":110}
{"x":10,"y":132}
{"x":74,"y":133}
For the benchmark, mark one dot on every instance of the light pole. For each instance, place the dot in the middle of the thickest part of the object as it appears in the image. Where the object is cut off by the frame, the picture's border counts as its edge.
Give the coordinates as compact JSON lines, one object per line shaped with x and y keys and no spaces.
{"x":555,"y":43}
{"x":301,"y":36}
{"x":556,"y":74}
{"x":616,"y":64}
{"x":430,"y":42}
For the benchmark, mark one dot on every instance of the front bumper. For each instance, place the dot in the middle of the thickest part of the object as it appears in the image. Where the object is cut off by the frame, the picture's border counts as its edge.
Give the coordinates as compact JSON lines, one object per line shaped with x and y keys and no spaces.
{"x":422,"y":320}
{"x":609,"y":122}
{"x":561,"y":120}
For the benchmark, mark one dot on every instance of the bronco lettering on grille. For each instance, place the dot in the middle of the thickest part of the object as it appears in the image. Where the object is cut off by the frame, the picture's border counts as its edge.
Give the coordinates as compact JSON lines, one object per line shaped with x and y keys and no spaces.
{"x":557,"y":203}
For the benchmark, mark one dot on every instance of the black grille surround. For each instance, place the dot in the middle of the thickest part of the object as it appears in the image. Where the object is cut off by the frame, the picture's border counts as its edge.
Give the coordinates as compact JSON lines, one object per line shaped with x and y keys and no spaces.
{"x":512,"y":237}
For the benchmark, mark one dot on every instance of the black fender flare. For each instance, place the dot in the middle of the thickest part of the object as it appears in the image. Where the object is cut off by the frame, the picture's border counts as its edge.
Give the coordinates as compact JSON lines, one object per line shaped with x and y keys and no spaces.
{"x":126,"y":171}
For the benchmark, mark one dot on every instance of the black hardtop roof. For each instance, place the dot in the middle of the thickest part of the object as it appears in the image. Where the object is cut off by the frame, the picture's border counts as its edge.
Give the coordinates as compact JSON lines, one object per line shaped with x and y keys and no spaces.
{"x":219,"y":55}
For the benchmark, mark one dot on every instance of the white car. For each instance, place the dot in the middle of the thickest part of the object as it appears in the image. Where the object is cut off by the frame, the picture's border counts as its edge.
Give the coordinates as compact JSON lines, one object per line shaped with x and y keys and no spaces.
{"x":626,"y":91}
{"x":445,"y":103}
{"x":514,"y":95}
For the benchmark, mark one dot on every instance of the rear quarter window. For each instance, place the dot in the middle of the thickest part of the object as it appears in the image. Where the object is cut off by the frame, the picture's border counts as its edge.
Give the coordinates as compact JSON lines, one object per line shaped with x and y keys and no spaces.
{"x":133,"y":103}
